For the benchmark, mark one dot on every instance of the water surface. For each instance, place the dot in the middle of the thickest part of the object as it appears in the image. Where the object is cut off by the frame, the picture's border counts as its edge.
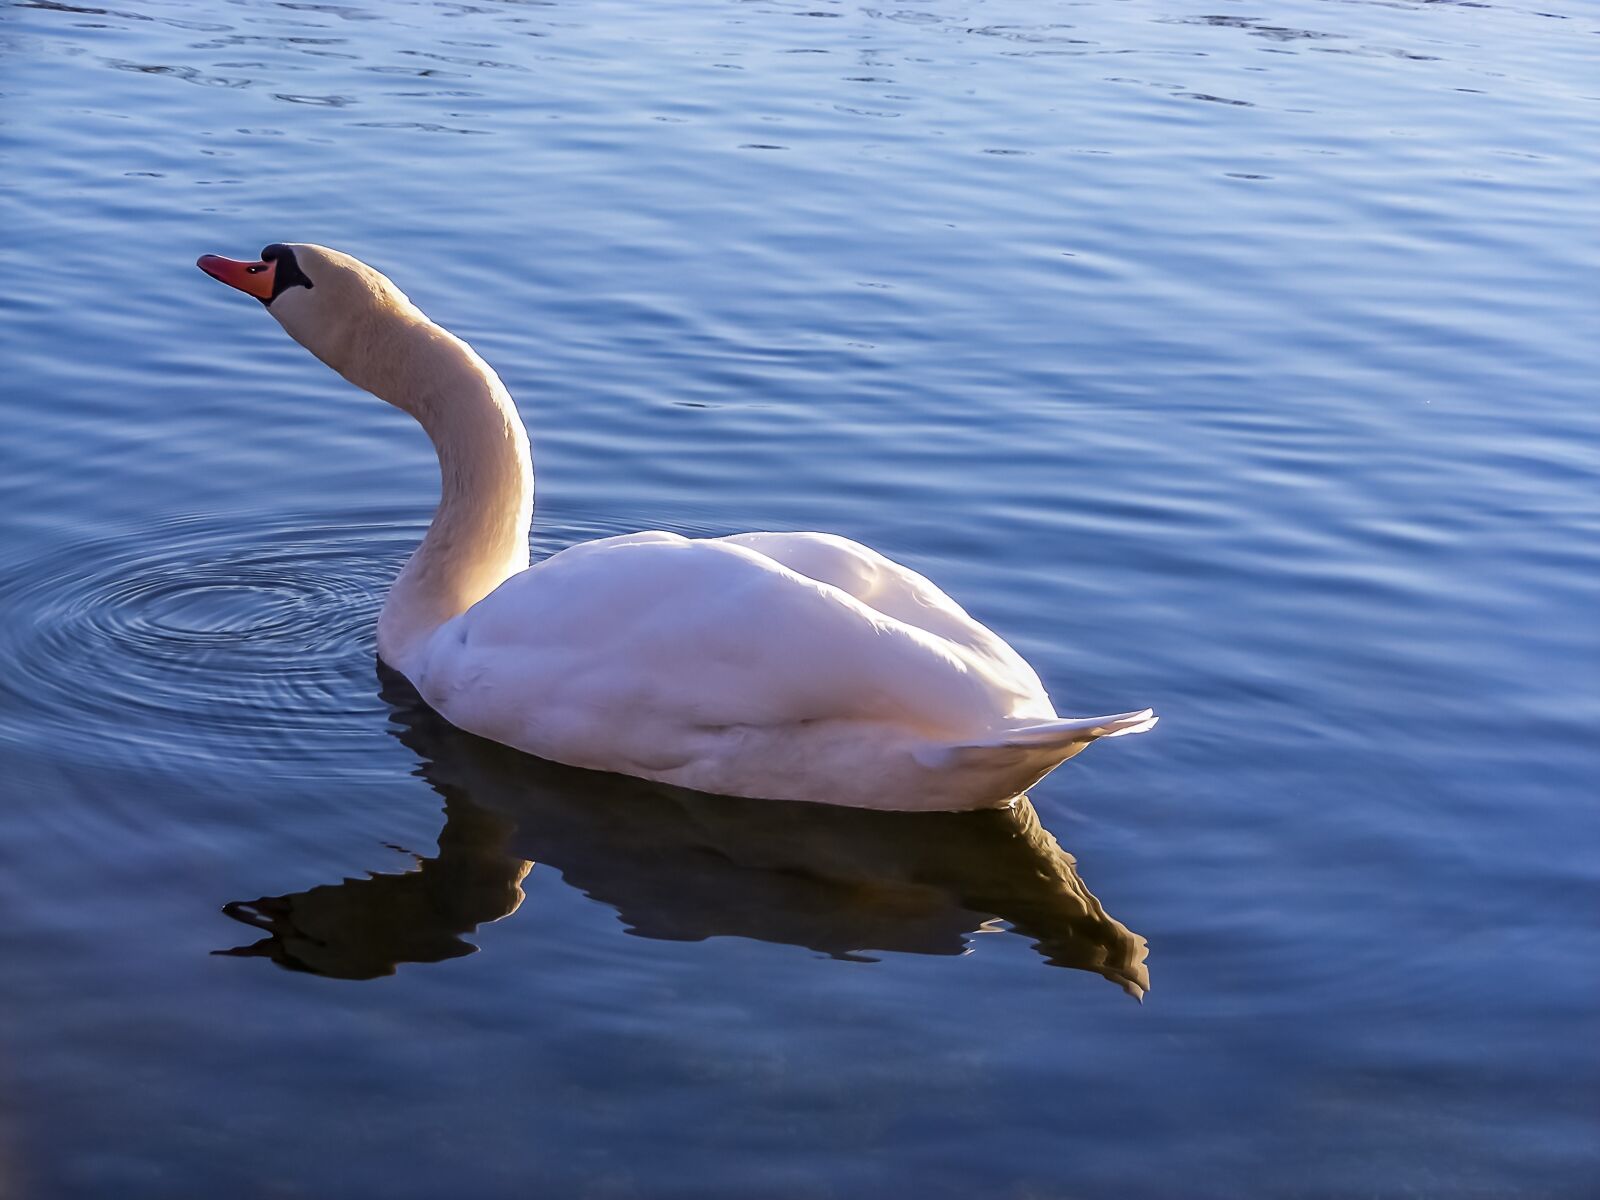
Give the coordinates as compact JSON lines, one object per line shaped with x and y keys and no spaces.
{"x":1235,"y":361}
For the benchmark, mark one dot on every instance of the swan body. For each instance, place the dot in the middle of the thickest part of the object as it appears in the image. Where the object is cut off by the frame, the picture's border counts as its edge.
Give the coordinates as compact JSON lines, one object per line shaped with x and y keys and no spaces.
{"x":784,"y":666}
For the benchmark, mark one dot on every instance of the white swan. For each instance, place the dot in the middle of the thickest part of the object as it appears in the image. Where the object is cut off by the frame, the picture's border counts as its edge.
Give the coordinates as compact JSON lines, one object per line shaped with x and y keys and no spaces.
{"x":786,"y":666}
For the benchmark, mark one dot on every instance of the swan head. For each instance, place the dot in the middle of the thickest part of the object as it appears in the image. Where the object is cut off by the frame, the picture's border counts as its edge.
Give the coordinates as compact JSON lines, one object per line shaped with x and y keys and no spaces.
{"x":334,"y":305}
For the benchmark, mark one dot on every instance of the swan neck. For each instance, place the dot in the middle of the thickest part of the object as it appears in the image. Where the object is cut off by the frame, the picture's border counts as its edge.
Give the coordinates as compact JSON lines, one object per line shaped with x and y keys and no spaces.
{"x":479,"y":534}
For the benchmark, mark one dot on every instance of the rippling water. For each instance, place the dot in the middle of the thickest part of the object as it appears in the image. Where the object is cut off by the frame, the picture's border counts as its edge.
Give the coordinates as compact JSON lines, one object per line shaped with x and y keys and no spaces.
{"x":1238,"y":362}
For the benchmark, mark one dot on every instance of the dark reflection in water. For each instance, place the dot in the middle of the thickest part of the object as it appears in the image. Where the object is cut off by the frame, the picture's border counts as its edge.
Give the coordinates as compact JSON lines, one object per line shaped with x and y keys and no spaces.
{"x":685,"y":866}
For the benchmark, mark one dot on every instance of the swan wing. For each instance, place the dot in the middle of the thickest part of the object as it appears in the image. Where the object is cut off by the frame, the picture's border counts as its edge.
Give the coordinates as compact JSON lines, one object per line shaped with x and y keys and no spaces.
{"x":896,"y":591}
{"x":632,"y":647}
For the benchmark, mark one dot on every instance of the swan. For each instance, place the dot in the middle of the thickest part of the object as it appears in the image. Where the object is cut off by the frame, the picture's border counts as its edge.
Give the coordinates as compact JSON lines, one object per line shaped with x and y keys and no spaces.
{"x":776,"y":666}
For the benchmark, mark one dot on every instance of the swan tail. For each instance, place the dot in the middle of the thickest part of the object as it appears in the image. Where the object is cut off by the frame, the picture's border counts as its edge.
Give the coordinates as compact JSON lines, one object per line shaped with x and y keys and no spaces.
{"x":1078,"y":729}
{"x":1027,"y":753}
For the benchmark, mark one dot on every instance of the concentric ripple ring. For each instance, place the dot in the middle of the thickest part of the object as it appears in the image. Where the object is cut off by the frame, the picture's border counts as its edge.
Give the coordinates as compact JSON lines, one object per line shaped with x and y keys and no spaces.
{"x":245,"y":638}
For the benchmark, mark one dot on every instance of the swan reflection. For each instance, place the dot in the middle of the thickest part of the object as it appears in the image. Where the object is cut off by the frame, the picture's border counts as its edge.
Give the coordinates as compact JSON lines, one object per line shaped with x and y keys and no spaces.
{"x":685,"y":866}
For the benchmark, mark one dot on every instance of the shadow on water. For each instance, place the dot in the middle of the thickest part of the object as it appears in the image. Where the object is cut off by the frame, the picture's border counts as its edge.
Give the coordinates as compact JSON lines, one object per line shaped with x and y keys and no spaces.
{"x":685,"y":866}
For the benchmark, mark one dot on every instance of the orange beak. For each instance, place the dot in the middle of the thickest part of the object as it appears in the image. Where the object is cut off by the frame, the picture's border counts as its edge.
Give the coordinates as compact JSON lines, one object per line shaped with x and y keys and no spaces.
{"x":252,"y":278}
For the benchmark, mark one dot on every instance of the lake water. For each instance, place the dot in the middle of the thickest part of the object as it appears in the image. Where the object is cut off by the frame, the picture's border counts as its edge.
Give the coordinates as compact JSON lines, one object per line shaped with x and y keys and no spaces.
{"x":1238,"y":361}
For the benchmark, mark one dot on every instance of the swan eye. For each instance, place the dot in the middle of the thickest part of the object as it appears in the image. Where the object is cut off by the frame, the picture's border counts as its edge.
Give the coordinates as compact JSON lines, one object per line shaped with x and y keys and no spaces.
{"x":255,"y":270}
{"x":286,"y":272}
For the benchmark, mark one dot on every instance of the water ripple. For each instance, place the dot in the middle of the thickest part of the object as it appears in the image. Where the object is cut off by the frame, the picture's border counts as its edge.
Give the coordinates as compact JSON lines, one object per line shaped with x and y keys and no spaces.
{"x":203,"y":638}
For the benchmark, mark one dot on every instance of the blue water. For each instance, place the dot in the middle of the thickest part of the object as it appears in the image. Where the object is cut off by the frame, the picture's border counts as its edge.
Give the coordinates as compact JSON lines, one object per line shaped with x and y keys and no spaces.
{"x":1238,"y":361}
